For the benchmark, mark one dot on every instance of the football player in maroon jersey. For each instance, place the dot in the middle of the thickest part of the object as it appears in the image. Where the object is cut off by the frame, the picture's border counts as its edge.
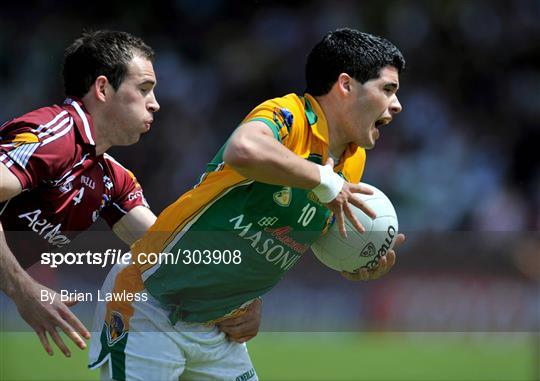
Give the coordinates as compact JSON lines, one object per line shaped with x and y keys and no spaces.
{"x":56,"y":178}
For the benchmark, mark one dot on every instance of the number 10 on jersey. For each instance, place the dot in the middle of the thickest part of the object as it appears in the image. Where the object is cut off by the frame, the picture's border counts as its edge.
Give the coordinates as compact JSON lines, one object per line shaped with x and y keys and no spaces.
{"x":308,"y":212}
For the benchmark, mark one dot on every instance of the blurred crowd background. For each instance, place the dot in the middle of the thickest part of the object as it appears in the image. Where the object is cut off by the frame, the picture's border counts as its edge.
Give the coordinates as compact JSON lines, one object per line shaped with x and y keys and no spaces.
{"x":461,"y":156}
{"x":461,"y":162}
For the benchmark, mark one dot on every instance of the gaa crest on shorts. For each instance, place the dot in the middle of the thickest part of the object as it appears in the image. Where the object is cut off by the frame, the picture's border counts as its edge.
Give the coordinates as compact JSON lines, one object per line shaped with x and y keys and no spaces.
{"x":115,"y":328}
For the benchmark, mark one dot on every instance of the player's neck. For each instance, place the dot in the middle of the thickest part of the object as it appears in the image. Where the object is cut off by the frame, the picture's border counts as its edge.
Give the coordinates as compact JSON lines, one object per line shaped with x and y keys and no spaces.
{"x":336,"y":139}
{"x":100,"y":136}
{"x":101,"y":128}
{"x":102,"y":148}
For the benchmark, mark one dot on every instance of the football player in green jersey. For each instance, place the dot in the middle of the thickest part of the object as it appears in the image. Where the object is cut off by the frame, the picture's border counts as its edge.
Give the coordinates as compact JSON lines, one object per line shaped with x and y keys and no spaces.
{"x":290,"y":168}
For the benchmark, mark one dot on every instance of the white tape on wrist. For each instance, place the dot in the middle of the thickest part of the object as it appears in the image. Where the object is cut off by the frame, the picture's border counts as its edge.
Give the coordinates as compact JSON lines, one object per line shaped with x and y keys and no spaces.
{"x":330,"y":186}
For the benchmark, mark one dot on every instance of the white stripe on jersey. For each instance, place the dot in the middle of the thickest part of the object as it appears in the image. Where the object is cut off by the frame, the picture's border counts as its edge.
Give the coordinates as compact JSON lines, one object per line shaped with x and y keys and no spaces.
{"x":8,"y":163}
{"x":84,"y":120}
{"x":5,"y":159}
{"x":22,"y":154}
{"x":48,"y":124}
{"x":59,"y":135}
{"x":109,"y":157}
{"x":205,"y":174}
{"x":81,"y":161}
{"x":51,"y":131}
{"x":118,"y":206}
{"x":58,"y":181}
{"x":4,"y":208}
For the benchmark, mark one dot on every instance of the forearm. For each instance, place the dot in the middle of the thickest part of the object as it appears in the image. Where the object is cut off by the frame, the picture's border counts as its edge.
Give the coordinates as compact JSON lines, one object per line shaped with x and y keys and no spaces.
{"x":12,"y":275}
{"x":262,"y":158}
{"x":134,"y":224}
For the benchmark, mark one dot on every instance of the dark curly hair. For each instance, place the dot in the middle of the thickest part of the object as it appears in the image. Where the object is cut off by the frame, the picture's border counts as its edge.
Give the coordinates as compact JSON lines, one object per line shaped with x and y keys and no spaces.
{"x":359,"y":54}
{"x":98,"y":53}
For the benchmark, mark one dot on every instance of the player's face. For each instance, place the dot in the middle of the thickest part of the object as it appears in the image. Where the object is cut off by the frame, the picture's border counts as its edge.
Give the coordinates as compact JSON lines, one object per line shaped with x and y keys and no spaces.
{"x":370,"y":106}
{"x":132,"y":106}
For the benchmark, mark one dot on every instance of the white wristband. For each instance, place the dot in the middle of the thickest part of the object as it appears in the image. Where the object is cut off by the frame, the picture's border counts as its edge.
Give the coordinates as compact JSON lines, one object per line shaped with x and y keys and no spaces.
{"x":330,"y":186}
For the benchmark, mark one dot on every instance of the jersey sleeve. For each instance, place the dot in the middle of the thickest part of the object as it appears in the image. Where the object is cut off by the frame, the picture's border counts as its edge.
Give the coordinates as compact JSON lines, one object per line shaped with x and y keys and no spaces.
{"x":127,"y":192}
{"x":279,"y":115}
{"x":34,"y":154}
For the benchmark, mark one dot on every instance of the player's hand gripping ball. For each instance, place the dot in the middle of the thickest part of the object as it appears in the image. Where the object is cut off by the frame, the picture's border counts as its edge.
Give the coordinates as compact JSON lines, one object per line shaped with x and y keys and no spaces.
{"x":360,"y":250}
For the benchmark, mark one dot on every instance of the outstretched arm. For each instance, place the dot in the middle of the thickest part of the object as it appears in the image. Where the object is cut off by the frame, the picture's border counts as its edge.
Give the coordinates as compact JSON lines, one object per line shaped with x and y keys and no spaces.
{"x":42,"y":316}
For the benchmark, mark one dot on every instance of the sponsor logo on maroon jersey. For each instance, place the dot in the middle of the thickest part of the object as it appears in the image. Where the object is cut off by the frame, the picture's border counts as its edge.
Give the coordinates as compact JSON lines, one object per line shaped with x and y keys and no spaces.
{"x":47,"y":231}
{"x":135,"y":195}
{"x":88,"y":182}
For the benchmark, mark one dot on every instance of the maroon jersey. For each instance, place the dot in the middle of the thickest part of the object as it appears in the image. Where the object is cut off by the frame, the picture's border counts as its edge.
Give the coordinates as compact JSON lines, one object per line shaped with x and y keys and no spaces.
{"x":66,"y":187}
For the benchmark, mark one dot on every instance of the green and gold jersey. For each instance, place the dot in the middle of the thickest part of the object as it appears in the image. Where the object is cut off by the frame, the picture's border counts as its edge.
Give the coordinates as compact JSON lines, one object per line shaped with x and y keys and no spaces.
{"x":265,"y":228}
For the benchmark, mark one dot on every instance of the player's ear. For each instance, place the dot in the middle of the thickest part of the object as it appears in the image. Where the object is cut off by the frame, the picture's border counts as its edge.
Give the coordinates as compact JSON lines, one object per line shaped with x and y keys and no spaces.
{"x":344,"y":83}
{"x":101,"y":88}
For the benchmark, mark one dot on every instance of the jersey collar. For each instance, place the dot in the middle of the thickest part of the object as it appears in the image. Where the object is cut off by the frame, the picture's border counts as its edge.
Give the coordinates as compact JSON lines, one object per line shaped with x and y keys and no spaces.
{"x":83,"y":120}
{"x":316,"y":118}
{"x":319,"y":126}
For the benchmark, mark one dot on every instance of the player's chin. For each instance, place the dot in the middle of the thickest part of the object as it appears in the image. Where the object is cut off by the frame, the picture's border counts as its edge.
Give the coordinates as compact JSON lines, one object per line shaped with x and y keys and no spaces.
{"x":131,"y":140}
{"x":366,"y":141}
{"x":368,"y":144}
{"x":373,"y":137}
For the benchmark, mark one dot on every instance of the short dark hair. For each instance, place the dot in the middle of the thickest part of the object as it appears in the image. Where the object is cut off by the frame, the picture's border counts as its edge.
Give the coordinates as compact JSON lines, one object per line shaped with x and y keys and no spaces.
{"x":98,"y":53}
{"x":359,"y":54}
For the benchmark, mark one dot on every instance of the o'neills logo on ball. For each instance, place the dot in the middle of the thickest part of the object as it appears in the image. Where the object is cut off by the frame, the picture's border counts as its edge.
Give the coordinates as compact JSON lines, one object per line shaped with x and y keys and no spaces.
{"x":368,"y":250}
{"x":391,"y":232}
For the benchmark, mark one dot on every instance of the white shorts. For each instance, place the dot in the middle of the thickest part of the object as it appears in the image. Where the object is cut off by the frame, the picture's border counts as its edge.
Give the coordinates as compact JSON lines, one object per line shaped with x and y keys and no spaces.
{"x":136,"y":341}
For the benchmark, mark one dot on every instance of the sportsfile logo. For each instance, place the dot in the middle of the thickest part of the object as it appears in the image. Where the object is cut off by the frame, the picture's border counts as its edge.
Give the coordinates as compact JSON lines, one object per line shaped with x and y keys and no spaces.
{"x":110,"y":256}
